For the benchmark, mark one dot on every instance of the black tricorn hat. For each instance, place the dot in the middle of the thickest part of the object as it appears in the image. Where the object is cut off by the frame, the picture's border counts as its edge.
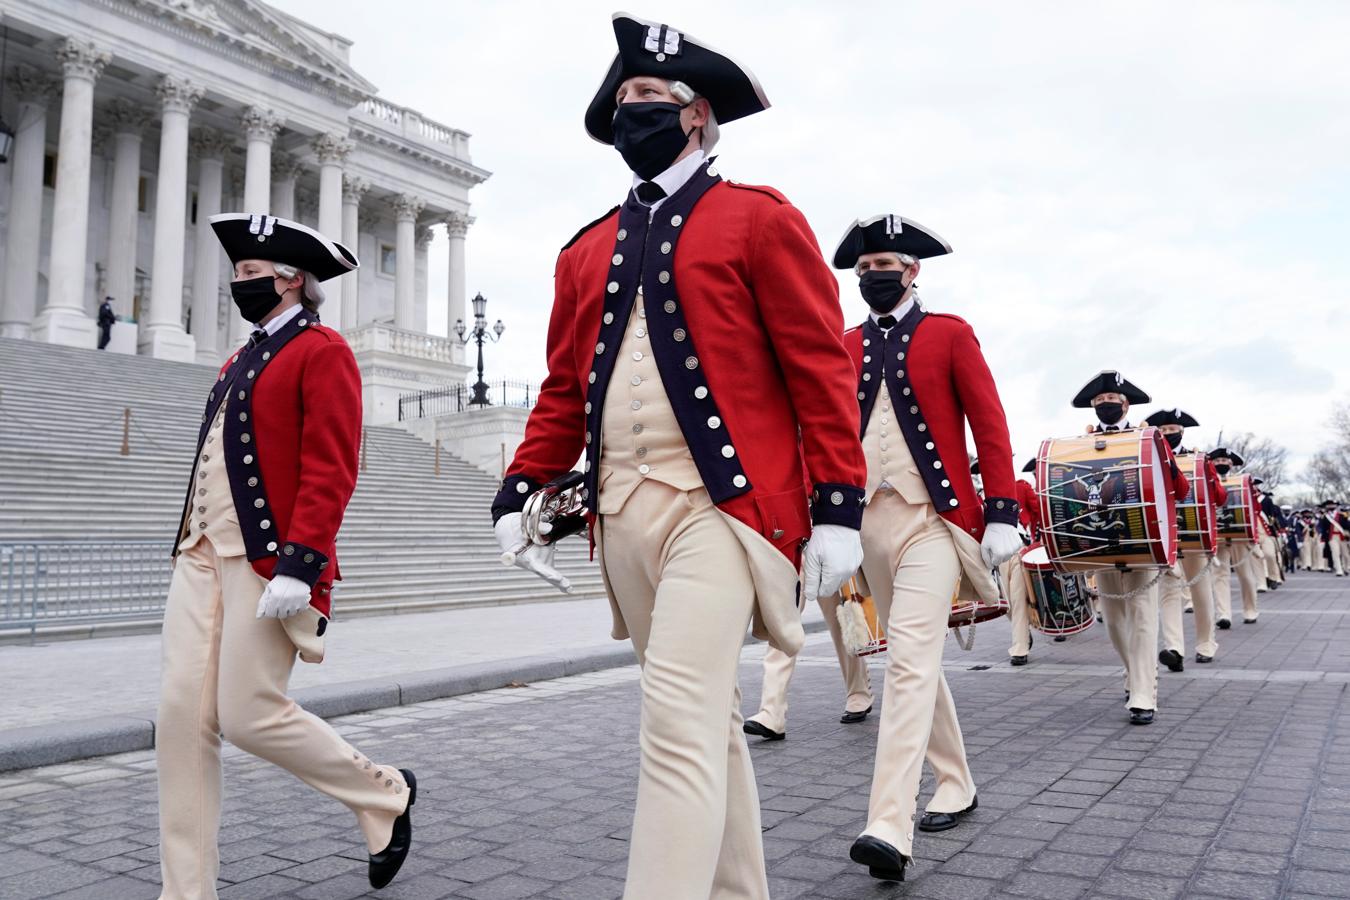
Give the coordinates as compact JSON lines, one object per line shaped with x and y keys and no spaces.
{"x":1224,"y":451}
{"x":1030,"y":466}
{"x":651,"y":48}
{"x":1172,"y":417}
{"x":260,"y":236}
{"x":888,"y":232}
{"x":1326,"y":503}
{"x":975,"y":467}
{"x":1108,"y":381}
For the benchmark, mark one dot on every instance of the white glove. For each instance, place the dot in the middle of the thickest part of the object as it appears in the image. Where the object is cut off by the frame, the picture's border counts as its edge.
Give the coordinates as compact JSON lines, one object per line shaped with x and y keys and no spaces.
{"x":534,"y":558}
{"x":1001,"y":542}
{"x":832,"y":555}
{"x":284,"y":597}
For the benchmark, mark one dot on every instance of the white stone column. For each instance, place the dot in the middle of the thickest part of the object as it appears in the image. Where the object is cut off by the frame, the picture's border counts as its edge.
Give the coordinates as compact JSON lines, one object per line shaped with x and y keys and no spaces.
{"x":456,"y":227}
{"x":420,"y":315}
{"x":285,"y":170}
{"x":260,"y":127}
{"x":353,"y":189}
{"x":23,"y":239}
{"x":128,"y":121}
{"x":406,"y":208}
{"x":164,"y":337}
{"x":332,"y":151}
{"x":66,"y":319}
{"x":209,"y":148}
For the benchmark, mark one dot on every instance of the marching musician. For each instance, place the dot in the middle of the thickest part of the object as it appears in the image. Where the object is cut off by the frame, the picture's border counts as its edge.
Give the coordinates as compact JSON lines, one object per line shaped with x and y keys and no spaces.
{"x":255,"y":563}
{"x":695,"y":357}
{"x":1129,"y":599}
{"x":1270,"y":525}
{"x":1309,"y":555}
{"x":1192,"y":568}
{"x":920,"y":378}
{"x":1019,"y":601}
{"x":1226,"y":461}
{"x":1293,"y":546}
{"x":1332,"y":529}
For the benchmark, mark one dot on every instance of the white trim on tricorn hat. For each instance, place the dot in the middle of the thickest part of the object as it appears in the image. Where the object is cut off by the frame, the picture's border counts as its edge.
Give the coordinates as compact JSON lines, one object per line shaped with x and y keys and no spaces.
{"x":888,"y":232}
{"x":1108,"y":381}
{"x":658,"y":50}
{"x":261,"y":236}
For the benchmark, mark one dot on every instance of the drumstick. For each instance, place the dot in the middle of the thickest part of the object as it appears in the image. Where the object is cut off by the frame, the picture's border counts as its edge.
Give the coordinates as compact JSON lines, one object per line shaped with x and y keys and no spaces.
{"x":509,"y":557}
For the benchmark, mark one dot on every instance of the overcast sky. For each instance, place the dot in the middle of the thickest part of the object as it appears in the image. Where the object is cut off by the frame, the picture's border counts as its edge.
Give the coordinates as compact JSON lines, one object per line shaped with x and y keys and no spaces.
{"x":1156,"y":187}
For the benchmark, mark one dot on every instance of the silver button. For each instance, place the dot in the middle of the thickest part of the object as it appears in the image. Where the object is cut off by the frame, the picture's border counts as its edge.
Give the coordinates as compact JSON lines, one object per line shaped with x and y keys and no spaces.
{"x":641,"y":452}
{"x":665,"y":246}
{"x":599,"y":348}
{"x":642,"y":312}
{"x":677,"y":220}
{"x":905,"y":338}
{"x":222,"y":378}
{"x":712,"y":172}
{"x":234,"y":359}
{"x":522,"y":487}
{"x":906,"y":392}
{"x":691,"y":363}
{"x":618,"y":259}
{"x":946,"y":483}
{"x":867,"y":376}
{"x":728,"y":451}
{"x":937,"y":463}
{"x":243,"y":417}
{"x":588,"y":407}
{"x":248,"y":459}
{"x":251,"y":373}
{"x":244,"y":438}
{"x":899,"y":373}
{"x":669,"y":306}
{"x":680,"y":335}
{"x":714,"y":422}
{"x":837,"y":498}
{"x":641,"y":332}
{"x":660,"y":57}
{"x":884,"y":420}
{"x":867,"y":342}
{"x":913,"y":409}
{"x":663,"y":277}
{"x":900,"y":356}
{"x":637,"y":429}
{"x":259,"y":503}
{"x":201,"y":525}
{"x":999,"y":504}
{"x":929,"y":445}
{"x":243,"y":394}
{"x":309,"y":557}
{"x":953,"y":502}
{"x":636,"y":404}
{"x":590,"y":379}
{"x":302,"y":323}
{"x":612,"y":287}
{"x":867,"y":359}
{"x":201,"y":509}
{"x":862,"y":396}
{"x":701,"y":392}
{"x":609,"y":318}
{"x":923,"y":427}
{"x":272,"y":546}
{"x":588,"y":437}
{"x":739,"y":481}
{"x":267,"y":354}
{"x":265,"y":524}
{"x":623,"y":233}
{"x":637,"y":380}
{"x":206,"y":457}
{"x":588,"y":465}
{"x":644,"y":469}
{"x":253,"y":482}
{"x":637,"y":356}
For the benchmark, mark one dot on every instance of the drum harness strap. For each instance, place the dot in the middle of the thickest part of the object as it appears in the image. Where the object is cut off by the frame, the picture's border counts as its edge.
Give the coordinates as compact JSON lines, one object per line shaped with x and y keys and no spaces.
{"x":966,"y":640}
{"x":1203,"y":572}
{"x":1134,"y":593}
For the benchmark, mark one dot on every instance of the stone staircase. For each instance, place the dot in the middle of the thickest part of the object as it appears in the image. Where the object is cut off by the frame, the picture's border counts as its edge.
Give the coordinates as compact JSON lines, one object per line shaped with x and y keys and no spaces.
{"x":412,"y":539}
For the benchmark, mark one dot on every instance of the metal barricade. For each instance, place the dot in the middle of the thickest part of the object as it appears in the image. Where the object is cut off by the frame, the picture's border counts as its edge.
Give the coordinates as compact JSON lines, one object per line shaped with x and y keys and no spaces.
{"x":46,"y":583}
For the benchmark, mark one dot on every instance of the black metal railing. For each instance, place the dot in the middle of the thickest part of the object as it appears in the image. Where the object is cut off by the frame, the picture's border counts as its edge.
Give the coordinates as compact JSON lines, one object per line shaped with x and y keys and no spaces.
{"x":456,"y":398}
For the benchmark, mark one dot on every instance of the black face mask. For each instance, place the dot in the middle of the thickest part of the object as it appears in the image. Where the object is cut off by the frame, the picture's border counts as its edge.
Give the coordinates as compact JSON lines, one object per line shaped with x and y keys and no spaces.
{"x":1173,"y":439}
{"x":648,"y":136}
{"x":1109,"y":413}
{"x":1222,"y":468}
{"x":255,"y":297}
{"x":882,"y":288}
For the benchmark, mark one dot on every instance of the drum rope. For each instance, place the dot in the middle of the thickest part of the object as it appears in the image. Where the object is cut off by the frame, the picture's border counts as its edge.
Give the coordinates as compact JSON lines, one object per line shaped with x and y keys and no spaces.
{"x":1203,"y":572}
{"x":1134,"y":593}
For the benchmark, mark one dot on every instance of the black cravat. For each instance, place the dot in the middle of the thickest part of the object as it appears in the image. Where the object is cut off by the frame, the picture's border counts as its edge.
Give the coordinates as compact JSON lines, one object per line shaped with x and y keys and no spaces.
{"x":1110,"y":429}
{"x":257,"y":337}
{"x":886,"y":323}
{"x":649,"y":192}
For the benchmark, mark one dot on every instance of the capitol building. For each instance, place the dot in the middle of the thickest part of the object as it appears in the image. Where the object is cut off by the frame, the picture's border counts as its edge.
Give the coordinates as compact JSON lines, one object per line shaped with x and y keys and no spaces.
{"x":128,"y":123}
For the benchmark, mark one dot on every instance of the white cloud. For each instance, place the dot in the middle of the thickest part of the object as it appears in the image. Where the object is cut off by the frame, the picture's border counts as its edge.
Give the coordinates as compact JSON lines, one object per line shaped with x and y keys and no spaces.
{"x":1157,"y":187}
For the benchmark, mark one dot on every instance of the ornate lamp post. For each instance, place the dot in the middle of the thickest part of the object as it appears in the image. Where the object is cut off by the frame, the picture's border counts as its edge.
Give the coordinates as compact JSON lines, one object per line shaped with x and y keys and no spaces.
{"x":477,"y":334}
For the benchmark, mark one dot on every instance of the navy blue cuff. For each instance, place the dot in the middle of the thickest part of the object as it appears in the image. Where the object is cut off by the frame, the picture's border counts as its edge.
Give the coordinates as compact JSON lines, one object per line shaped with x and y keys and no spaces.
{"x":299,"y":561}
{"x":1003,"y":510}
{"x":838,"y":504}
{"x":516,"y":489}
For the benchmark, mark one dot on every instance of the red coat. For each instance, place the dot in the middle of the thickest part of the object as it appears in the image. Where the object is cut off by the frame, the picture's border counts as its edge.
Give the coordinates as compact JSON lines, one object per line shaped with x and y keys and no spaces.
{"x":1030,"y":513}
{"x":292,"y":440}
{"x":744,"y":322}
{"x":938,"y":380}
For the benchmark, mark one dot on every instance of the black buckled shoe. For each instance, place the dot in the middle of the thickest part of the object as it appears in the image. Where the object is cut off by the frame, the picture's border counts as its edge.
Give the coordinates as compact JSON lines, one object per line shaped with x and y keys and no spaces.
{"x":853,"y":717}
{"x":385,"y":864}
{"x":764,"y":731}
{"x":1060,"y":638}
{"x":1141,"y":716}
{"x":942,"y":821}
{"x":1224,"y":624}
{"x":1248,"y":621}
{"x":1018,"y":661}
{"x":883,"y":861}
{"x":1202,"y":658}
{"x":1172,"y":659}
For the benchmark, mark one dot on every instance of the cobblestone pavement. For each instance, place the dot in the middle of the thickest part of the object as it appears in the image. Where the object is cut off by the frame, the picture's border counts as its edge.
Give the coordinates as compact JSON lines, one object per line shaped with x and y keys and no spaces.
{"x":1241,"y":788}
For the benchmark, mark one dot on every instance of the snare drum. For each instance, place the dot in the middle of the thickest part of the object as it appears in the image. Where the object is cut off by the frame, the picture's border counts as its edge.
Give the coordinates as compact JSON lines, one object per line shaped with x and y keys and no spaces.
{"x":1105,"y":501}
{"x":1197,"y":519}
{"x":1238,"y":516}
{"x":859,"y":629}
{"x":1061,"y":602}
{"x":972,"y":613}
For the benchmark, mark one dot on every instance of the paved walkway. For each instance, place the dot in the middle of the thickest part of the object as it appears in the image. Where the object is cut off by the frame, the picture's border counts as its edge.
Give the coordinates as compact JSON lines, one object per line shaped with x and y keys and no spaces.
{"x":1241,"y":788}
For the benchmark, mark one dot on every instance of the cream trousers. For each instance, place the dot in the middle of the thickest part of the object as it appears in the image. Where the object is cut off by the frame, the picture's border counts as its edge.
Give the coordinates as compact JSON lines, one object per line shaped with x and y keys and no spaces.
{"x":1237,"y":556}
{"x":682,"y":582}
{"x":1173,"y":603}
{"x":1132,"y":624}
{"x":225,"y":671}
